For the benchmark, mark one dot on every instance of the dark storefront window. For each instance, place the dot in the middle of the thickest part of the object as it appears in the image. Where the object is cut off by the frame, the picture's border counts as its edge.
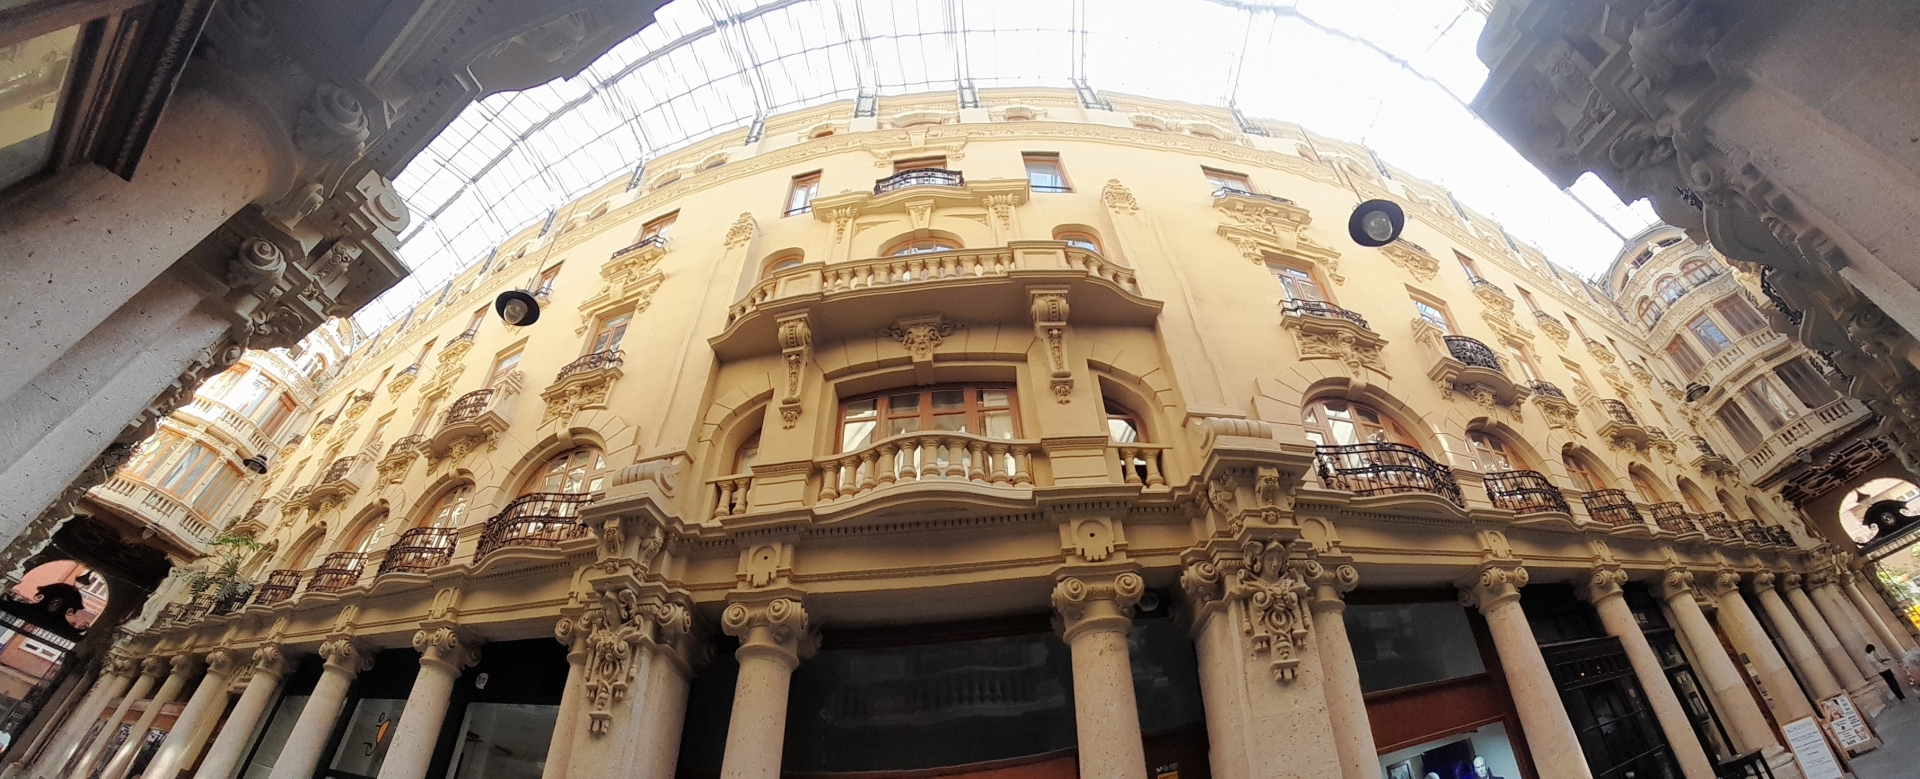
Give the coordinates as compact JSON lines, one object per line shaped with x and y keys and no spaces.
{"x":286,"y":714}
{"x":1686,"y":686}
{"x":1616,"y":727}
{"x":373,"y":709}
{"x":503,"y":709}
{"x":1400,"y":645}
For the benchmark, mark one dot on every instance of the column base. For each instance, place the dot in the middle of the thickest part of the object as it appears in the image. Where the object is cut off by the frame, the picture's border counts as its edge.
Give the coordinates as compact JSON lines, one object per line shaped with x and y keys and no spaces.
{"x":1870,"y":697}
{"x":1782,"y":763}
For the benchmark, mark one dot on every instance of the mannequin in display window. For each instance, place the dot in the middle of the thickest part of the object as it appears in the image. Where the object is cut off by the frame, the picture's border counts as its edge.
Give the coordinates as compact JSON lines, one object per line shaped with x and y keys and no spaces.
{"x":1481,"y":771}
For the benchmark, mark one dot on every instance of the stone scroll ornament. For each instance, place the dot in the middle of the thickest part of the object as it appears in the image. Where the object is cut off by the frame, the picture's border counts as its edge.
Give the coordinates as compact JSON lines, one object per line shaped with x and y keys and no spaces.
{"x":613,"y":634}
{"x":1268,"y":592}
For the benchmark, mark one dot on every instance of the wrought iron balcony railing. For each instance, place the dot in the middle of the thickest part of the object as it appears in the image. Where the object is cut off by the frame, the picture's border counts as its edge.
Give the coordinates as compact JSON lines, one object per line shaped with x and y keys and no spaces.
{"x":1524,"y":492}
{"x":645,"y":242}
{"x":1323,"y":310}
{"x":1673,"y":518}
{"x":420,"y":550}
{"x":1384,"y":469}
{"x":1618,"y":412}
{"x":406,"y":444}
{"x":469,"y":407}
{"x":1544,"y":389}
{"x":338,"y":470}
{"x":280,"y":585}
{"x":1780,"y":535}
{"x":1612,"y":508}
{"x":1220,"y":192}
{"x":1472,"y":352}
{"x":1751,"y":530}
{"x":1480,"y":283}
{"x":611,"y":358}
{"x":338,"y":571}
{"x":540,"y":520}
{"x":1716,"y":526}
{"x":919,"y":177}
{"x":233,"y":601}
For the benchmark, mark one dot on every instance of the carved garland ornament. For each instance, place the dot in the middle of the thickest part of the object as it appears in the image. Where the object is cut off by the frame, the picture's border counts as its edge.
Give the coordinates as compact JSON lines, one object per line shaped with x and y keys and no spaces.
{"x":1265,"y":587}
{"x":796,"y":349}
{"x":612,"y":634}
{"x":1050,"y":325}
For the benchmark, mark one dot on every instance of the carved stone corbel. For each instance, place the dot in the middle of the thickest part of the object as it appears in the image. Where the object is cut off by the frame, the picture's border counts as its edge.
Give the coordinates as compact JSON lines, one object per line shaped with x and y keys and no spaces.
{"x":612,"y":633}
{"x":1264,"y":586}
{"x":1118,"y":198}
{"x":796,"y":350}
{"x":1050,"y":326}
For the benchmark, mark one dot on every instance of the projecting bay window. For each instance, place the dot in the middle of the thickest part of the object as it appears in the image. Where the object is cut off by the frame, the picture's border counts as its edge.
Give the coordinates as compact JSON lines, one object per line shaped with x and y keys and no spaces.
{"x":1685,"y":357}
{"x":1769,"y":403}
{"x":1805,"y":383}
{"x":217,"y":490}
{"x":1710,"y":334}
{"x":1739,"y":425}
{"x":1740,"y":314}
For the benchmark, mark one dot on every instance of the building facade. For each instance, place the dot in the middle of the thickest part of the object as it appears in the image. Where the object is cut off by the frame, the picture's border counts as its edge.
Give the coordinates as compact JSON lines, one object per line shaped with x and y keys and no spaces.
{"x":1052,"y":435}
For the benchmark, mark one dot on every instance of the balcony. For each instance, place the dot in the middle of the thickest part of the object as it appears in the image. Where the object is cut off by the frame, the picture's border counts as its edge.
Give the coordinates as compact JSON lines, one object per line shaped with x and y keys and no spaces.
{"x":1803,"y":433}
{"x":1546,"y":391}
{"x":420,"y":550}
{"x":393,"y":466}
{"x":1467,"y":366}
{"x":925,"y":458}
{"x":1716,"y":526}
{"x":1658,"y":441}
{"x":1751,"y":532}
{"x":1673,"y":518}
{"x":155,"y":508}
{"x":1710,"y":462}
{"x":1384,"y":469}
{"x":1615,"y":510}
{"x":338,"y":571}
{"x":280,"y":585}
{"x":233,"y":425}
{"x":1139,"y":464}
{"x":650,"y":243}
{"x":477,"y":416}
{"x":856,"y":299}
{"x":582,"y":384}
{"x":1554,"y":328}
{"x":404,"y":379}
{"x":1618,"y":425}
{"x":1754,"y":345}
{"x":1325,"y":331}
{"x":1524,"y":492}
{"x":1781,"y":536}
{"x":341,"y":480}
{"x":919,"y":177}
{"x":1320,"y":309}
{"x":540,"y":520}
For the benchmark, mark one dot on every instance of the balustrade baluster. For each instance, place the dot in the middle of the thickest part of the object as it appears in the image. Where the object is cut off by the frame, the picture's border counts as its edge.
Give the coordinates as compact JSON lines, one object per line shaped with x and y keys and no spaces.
{"x":1127,"y":473}
{"x":1154,"y":477}
{"x":1023,"y":467}
{"x":889,"y":464}
{"x":722,"y":501}
{"x":869,"y":470}
{"x":999,"y":457}
{"x":976,"y":463}
{"x":829,"y":481}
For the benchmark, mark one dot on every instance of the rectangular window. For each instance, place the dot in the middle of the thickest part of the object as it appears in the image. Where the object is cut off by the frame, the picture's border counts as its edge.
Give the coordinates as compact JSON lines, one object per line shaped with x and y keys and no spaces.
{"x":662,"y":227}
{"x":1221,"y":180}
{"x":427,"y":347}
{"x":1467,"y":264}
{"x":987,"y":412}
{"x":800,"y":195}
{"x":473,"y":325}
{"x":920,"y":163}
{"x":544,"y":287}
{"x":1528,"y":297}
{"x":1739,"y":313}
{"x":1404,"y":644}
{"x":611,"y":330}
{"x":187,"y":471}
{"x":1518,"y":356}
{"x":218,"y":489}
{"x":154,"y":453}
{"x":251,"y":395}
{"x":1296,"y":282}
{"x":1805,"y":383}
{"x":1579,"y":377}
{"x":280,"y":411}
{"x":1709,"y":334}
{"x":1044,"y":173}
{"x":1684,"y":357}
{"x":502,"y":366}
{"x":1738,"y":426}
{"x":1769,"y":403}
{"x":379,"y":430}
{"x":1433,"y":314}
{"x":426,"y":415}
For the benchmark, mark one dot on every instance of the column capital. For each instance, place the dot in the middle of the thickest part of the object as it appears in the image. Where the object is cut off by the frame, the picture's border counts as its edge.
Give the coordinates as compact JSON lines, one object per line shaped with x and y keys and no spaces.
{"x":1497,"y":585}
{"x":1819,"y":578}
{"x":1604,"y":582}
{"x":1088,"y":602}
{"x":1791,"y":581}
{"x":120,"y":663}
{"x":444,"y":647}
{"x":1723,"y":581}
{"x":1763,"y":581}
{"x":268,"y":660}
{"x":154,"y":666}
{"x":223,"y":662}
{"x":1675,"y":583}
{"x":1331,"y":578}
{"x":344,"y":656}
{"x":776,"y":627}
{"x":186,"y":664}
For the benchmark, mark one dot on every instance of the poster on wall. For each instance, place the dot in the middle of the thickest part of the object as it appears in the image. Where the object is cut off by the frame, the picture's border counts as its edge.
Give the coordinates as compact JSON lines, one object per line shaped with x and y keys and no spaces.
{"x":1809,"y":746}
{"x":1849,"y":728}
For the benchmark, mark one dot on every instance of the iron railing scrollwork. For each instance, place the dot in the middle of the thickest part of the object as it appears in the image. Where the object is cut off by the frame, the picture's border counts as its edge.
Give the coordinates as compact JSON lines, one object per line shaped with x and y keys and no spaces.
{"x":338,"y":571}
{"x":420,"y":550}
{"x":1751,"y":530}
{"x":338,"y":470}
{"x":1672,"y":517}
{"x":1716,"y":525}
{"x":540,"y":520}
{"x":919,"y":177}
{"x":1524,"y":492}
{"x":1323,"y":310}
{"x":1384,"y":469}
{"x":233,"y":601}
{"x":469,"y":407}
{"x":655,"y":241}
{"x":601,"y":360}
{"x":1618,"y":412}
{"x":1546,"y":390}
{"x":1220,"y":192}
{"x":1612,"y":508}
{"x":280,"y":585}
{"x":1472,"y":352}
{"x":406,"y":444}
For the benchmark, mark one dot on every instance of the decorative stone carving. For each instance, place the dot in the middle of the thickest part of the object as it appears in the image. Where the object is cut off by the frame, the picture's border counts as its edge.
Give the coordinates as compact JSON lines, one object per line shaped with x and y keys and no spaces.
{"x":1001,"y":206}
{"x":1265,"y":585}
{"x":741,"y":232}
{"x":1356,"y":348}
{"x":1605,"y":581}
{"x":1554,"y":330}
{"x":796,"y":350}
{"x":1118,"y":198}
{"x":1497,"y":584}
{"x":268,"y":659}
{"x":444,"y":646}
{"x":765,"y":565}
{"x":1050,"y":325}
{"x":1074,"y":596}
{"x":223,"y":663}
{"x":779,"y":626}
{"x":920,"y":335}
{"x":613,"y":632}
{"x":1412,"y":259}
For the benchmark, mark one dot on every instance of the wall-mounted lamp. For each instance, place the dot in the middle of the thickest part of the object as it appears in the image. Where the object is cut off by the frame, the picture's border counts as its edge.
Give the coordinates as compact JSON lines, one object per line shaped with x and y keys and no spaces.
{"x":256,"y":463}
{"x":517,"y":308}
{"x":1376,"y":223}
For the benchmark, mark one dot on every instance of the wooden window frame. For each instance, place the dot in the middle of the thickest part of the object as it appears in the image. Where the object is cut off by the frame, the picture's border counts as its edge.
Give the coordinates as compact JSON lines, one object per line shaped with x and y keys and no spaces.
{"x":920,"y":163}
{"x":1276,"y":266}
{"x":1029,"y":159}
{"x":1075,"y":237}
{"x":1702,"y":321}
{"x":1734,"y":309}
{"x":1314,"y":418}
{"x":970,"y":410}
{"x":660,"y":225}
{"x":808,"y":183}
{"x":600,"y":328}
{"x":897,"y":248}
{"x":1691,"y":364}
{"x":593,"y":477}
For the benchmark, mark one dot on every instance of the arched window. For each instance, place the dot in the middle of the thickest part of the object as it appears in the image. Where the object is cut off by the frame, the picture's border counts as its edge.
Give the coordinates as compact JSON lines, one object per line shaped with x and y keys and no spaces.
{"x":363,"y":537}
{"x":573,"y":473}
{"x":1669,"y":290}
{"x":1695,"y":499}
{"x":714,"y":163}
{"x":1078,"y":239}
{"x":1584,"y":475}
{"x":1648,"y":488}
{"x":450,"y":508}
{"x":1490,"y":453}
{"x":913,"y":246}
{"x":820,"y":133}
{"x":744,"y":457}
{"x":783,"y":261}
{"x":1335,"y":422}
{"x":1123,"y":426}
{"x":1698,"y":272}
{"x":1649,"y":315}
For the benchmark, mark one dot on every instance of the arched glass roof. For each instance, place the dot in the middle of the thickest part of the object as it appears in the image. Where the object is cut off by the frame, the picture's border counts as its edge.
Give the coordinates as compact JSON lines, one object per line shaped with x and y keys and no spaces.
{"x":1392,"y":74}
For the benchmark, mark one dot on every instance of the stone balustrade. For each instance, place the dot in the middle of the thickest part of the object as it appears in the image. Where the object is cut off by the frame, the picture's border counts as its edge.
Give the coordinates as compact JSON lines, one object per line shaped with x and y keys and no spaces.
{"x":957,"y":458}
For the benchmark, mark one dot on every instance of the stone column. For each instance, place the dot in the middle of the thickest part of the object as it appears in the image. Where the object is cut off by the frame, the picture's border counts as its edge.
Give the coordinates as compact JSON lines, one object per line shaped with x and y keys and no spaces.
{"x":774,"y":634}
{"x":1799,"y":646}
{"x":1789,"y":703}
{"x":1843,"y":668}
{"x":1746,"y":724}
{"x":231,"y":745}
{"x":1331,"y":580}
{"x":628,"y":683}
{"x":566,"y":723}
{"x":1846,"y":624}
{"x":1603,"y":589}
{"x":1095,"y":614}
{"x":201,"y":712}
{"x":1883,"y":604}
{"x":185,"y":667}
{"x":1550,"y":734}
{"x":443,"y":654}
{"x":151,"y":669}
{"x":1889,"y":642}
{"x":310,"y":733}
{"x":115,"y":676}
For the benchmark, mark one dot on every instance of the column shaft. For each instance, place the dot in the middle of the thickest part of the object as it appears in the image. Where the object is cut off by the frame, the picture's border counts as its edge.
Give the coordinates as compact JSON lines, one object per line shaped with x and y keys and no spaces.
{"x":442,"y":655}
{"x":1550,"y":735}
{"x":231,"y":744}
{"x":1902,"y":628}
{"x":301,"y":754}
{"x":1346,"y":706}
{"x":75,"y":728}
{"x":663,"y":714}
{"x":1846,"y":626}
{"x":1890,"y":644}
{"x":202,"y":710}
{"x":566,"y":724}
{"x":1620,"y":623}
{"x":169,"y":690}
{"x":1844,"y":671}
{"x":1789,"y":703}
{"x":1738,"y":710}
{"x":92,"y":752}
{"x":773,"y":634}
{"x":1799,"y":646}
{"x":1104,"y":712}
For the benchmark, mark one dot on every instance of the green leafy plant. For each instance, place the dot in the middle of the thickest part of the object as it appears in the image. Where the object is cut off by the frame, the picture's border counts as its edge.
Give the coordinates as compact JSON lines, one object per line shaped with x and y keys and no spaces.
{"x":219,"y":572}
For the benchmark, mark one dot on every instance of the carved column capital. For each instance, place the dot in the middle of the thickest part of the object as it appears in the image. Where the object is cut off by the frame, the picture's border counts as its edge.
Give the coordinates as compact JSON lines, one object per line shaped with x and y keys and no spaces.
{"x":1723,"y":583}
{"x":155,"y":666}
{"x":608,"y":638}
{"x":1818,"y":579}
{"x":344,"y":656}
{"x":186,"y":664}
{"x":1603,"y":583}
{"x":223,"y":663}
{"x":1763,"y":581}
{"x":1087,"y":602}
{"x":1331,"y":578}
{"x":119,"y":663}
{"x":1497,"y":585}
{"x":1792,"y":581}
{"x":269,"y":660}
{"x":445,"y":648}
{"x":778,"y":628}
{"x":1675,"y":583}
{"x":1268,"y":584}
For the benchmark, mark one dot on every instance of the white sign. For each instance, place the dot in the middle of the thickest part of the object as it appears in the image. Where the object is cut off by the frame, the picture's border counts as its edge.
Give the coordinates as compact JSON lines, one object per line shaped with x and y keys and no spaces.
{"x":1809,"y":747}
{"x":1849,"y":728}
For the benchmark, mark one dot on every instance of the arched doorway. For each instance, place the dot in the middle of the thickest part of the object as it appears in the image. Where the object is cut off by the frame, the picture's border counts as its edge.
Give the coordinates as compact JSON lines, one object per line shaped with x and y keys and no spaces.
{"x":43,"y":618}
{"x":1883,"y":517}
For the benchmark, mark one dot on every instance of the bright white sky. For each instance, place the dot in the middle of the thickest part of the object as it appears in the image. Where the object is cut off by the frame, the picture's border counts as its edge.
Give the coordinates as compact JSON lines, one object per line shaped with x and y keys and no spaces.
{"x":1392,"y":74}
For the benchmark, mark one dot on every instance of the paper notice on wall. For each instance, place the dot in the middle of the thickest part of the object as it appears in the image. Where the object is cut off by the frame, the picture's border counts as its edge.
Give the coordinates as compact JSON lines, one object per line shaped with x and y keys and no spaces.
{"x":1849,"y":728}
{"x":1809,"y":747}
